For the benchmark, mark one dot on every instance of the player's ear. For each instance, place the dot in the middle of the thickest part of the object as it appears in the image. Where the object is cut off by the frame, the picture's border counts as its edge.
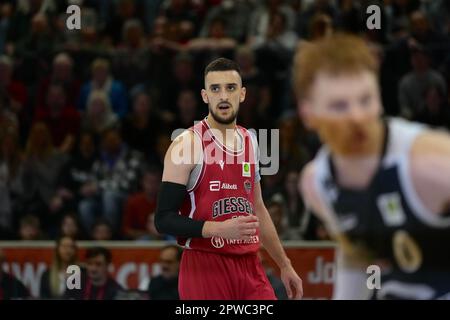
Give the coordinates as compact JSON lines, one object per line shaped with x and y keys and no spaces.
{"x":204,"y":96}
{"x":304,"y":111}
{"x":243,"y":93}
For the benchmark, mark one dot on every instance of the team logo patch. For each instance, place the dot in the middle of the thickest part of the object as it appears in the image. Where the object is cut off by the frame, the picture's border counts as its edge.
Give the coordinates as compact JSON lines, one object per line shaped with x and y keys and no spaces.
{"x":391,"y":209}
{"x":246,"y":169}
{"x":217,"y":242}
{"x":247,"y":186}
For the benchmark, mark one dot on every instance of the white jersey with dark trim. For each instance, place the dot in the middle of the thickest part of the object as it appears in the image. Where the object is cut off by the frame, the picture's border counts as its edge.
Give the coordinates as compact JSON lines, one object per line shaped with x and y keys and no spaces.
{"x":389,"y":219}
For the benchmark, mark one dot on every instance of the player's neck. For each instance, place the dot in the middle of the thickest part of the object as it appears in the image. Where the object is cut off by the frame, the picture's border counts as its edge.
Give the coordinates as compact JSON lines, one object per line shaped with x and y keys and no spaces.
{"x":356,"y":171}
{"x":228,"y":135}
{"x":223,"y":128}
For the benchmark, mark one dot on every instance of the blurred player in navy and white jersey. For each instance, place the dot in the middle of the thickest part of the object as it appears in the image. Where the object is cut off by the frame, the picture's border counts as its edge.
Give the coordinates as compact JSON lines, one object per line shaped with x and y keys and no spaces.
{"x":380,"y":185}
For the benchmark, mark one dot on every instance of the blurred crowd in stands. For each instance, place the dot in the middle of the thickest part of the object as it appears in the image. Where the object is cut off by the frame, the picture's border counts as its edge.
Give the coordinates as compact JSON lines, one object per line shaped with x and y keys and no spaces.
{"x":87,"y":115}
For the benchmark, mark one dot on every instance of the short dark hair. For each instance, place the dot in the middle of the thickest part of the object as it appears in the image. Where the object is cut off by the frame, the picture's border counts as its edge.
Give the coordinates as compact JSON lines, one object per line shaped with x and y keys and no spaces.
{"x":99,"y":251}
{"x":222,"y":64}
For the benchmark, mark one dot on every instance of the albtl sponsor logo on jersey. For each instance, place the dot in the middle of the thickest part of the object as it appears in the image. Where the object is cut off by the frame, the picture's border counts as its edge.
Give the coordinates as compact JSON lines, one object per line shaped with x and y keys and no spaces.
{"x":216,"y":185}
{"x":217,"y":242}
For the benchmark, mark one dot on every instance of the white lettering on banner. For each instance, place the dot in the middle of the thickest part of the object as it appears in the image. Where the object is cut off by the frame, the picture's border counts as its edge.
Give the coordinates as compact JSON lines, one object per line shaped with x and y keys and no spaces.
{"x":124,"y":272}
{"x":134,"y":271}
{"x":30,"y":275}
{"x":323,"y":272}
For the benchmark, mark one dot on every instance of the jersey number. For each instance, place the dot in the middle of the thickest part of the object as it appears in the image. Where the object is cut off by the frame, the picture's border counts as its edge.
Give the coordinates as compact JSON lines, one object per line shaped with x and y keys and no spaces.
{"x":406,"y":251}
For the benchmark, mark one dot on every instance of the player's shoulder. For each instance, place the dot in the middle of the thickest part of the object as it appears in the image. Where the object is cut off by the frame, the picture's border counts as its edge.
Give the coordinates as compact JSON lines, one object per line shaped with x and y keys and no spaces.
{"x":187,"y":145}
{"x":432,"y":142}
{"x":306,"y":184}
{"x":430,"y":154}
{"x":187,"y":138}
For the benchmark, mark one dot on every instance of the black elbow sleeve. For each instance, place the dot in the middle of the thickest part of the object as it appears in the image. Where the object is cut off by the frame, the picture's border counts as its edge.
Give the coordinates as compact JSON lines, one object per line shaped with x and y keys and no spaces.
{"x":168,"y":220}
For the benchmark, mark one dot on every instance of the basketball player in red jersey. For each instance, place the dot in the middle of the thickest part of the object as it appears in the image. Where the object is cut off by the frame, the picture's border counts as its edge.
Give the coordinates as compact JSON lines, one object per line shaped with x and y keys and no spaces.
{"x":210,"y":198}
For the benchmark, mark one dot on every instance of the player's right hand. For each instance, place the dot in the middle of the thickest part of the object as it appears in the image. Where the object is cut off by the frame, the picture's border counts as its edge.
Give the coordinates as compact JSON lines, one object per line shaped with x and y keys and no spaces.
{"x":242,"y":227}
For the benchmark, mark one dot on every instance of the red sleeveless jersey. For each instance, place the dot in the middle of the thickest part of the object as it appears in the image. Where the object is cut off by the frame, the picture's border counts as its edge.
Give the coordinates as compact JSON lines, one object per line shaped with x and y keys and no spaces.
{"x":224,"y":190}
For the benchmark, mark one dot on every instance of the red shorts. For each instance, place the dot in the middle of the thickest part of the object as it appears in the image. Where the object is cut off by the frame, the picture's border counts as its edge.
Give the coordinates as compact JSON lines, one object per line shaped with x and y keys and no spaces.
{"x":210,"y":276}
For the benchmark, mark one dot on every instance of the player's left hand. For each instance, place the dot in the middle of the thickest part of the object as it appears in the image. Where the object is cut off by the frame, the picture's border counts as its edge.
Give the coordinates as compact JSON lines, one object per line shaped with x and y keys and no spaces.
{"x":292,"y":282}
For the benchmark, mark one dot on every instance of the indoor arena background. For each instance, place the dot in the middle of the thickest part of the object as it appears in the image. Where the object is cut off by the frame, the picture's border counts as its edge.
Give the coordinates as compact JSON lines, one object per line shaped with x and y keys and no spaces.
{"x":57,"y":173}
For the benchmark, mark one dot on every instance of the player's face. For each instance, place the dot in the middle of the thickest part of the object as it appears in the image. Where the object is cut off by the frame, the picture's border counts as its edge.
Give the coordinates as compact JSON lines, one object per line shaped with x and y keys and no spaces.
{"x":344,"y":110}
{"x":223,"y":93}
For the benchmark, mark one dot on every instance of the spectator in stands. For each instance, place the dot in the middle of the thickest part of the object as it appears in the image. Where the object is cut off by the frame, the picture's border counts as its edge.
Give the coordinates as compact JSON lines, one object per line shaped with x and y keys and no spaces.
{"x":422,"y":32}
{"x":140,"y":205}
{"x":116,"y":173}
{"x":253,"y":111}
{"x":275,"y":281}
{"x":70,"y":227}
{"x":131,"y":59}
{"x":181,"y":15}
{"x":234,"y":14}
{"x":76,"y":173}
{"x":42,"y":167}
{"x":21,"y":19}
{"x":317,"y":7}
{"x":398,"y":12}
{"x":103,"y":80}
{"x":437,"y":110}
{"x":124,"y":10}
{"x":8,"y":120}
{"x":163,"y":142}
{"x":278,"y":36}
{"x":101,"y":231}
{"x":11,"y":288}
{"x":275,"y":207}
{"x":413,"y":85}
{"x":30,"y":228}
{"x":259,"y":20}
{"x":98,"y":284}
{"x":54,"y":279}
{"x":182,"y":77}
{"x":62,"y":119}
{"x":292,"y":149}
{"x":14,"y":91}
{"x":151,"y":234}
{"x":99,"y":114}
{"x":439,"y":13}
{"x":6,"y":12}
{"x":141,"y":127}
{"x":294,"y":207}
{"x":187,"y":110}
{"x":165,"y":285}
{"x":321,"y":25}
{"x":216,"y":41}
{"x":349,"y":16}
{"x":35,"y":48}
{"x":11,"y":179}
{"x":61,"y":73}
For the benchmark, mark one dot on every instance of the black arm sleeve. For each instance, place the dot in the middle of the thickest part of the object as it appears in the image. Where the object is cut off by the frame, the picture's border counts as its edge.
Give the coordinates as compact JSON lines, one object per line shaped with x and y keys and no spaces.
{"x":167,"y":219}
